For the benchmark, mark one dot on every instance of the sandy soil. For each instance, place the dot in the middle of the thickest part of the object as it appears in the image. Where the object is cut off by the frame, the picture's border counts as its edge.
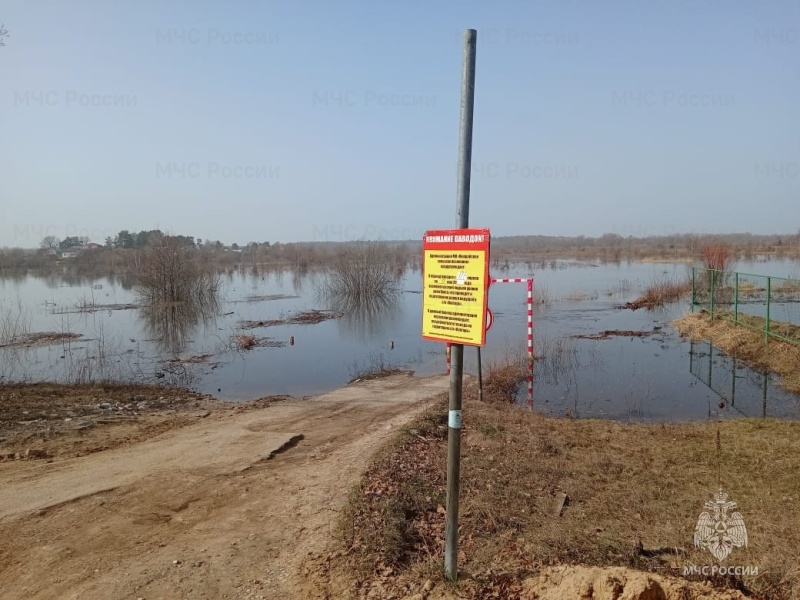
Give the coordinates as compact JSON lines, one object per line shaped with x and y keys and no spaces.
{"x":209,"y":502}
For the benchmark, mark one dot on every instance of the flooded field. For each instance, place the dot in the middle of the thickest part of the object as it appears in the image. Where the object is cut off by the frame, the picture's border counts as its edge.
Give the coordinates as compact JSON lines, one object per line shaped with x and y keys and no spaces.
{"x":261,"y":338}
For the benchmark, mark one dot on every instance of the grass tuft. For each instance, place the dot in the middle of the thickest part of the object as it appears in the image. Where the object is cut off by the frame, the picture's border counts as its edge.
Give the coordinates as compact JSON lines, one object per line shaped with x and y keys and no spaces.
{"x":660,"y":292}
{"x":504,"y":378}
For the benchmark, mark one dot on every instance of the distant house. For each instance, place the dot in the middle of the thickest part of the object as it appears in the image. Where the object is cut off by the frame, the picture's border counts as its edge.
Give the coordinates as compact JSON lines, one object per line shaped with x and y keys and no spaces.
{"x":93,"y":246}
{"x":72,"y":251}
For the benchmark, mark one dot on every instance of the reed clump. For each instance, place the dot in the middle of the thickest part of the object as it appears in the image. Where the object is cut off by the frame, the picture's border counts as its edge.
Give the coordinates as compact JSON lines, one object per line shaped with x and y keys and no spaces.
{"x":660,"y":292}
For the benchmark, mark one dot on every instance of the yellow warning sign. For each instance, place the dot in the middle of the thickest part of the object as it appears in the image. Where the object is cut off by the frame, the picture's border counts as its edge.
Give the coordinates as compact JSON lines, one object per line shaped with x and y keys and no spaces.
{"x":455,"y":285}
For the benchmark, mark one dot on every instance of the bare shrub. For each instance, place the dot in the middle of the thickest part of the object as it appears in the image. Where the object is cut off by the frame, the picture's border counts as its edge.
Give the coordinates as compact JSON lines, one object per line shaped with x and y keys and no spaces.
{"x":361,"y":272}
{"x":541,"y":294}
{"x":168,"y":272}
{"x":718,"y":257}
{"x":718,"y":260}
{"x":15,"y":324}
{"x":178,"y":289}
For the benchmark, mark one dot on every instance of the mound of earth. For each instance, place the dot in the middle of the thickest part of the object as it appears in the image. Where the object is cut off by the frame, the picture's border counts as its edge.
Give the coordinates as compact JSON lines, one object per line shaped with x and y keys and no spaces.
{"x":616,"y":583}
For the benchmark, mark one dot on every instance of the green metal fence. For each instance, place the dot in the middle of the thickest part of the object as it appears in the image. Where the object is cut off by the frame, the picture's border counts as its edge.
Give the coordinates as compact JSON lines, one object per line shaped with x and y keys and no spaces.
{"x":759,"y":302}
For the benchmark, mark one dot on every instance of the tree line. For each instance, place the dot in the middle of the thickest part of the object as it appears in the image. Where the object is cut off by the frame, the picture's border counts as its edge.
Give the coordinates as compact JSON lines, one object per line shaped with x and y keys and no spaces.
{"x":127,"y":240}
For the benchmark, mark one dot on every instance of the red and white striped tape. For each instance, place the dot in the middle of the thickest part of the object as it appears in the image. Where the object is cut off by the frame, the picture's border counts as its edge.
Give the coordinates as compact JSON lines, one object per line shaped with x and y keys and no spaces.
{"x":529,"y":281}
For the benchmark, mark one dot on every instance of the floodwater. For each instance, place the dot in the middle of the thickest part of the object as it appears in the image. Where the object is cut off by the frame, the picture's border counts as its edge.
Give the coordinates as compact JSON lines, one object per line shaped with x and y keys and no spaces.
{"x":654,"y":377}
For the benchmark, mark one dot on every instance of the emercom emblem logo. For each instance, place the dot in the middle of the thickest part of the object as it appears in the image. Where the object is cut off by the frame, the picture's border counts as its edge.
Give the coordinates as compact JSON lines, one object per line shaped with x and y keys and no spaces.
{"x":719,"y":530}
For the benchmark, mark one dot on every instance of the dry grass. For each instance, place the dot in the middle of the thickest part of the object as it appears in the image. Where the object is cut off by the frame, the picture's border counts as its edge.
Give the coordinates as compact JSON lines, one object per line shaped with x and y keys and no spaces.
{"x":91,"y":307}
{"x":609,"y":333}
{"x":747,"y":344}
{"x":541,"y":295}
{"x":580,"y":296}
{"x":504,"y":378}
{"x":746,"y":287}
{"x":788,"y":286}
{"x":660,"y":292}
{"x":627,"y":484}
{"x":308,"y":317}
{"x":43,"y":338}
{"x":245,"y":342}
{"x":196,"y":359}
{"x":376,"y":367}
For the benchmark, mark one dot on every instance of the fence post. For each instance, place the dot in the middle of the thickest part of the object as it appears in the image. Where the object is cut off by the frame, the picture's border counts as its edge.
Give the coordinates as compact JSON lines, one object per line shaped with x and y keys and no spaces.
{"x":694,"y":269}
{"x":480,"y":377}
{"x":766,"y":324}
{"x":736,"y":298}
{"x":713,"y":285}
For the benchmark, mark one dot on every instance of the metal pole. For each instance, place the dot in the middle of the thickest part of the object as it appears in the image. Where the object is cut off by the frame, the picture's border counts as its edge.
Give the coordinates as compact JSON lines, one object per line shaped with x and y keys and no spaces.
{"x":766,"y":324}
{"x":693,"y":292}
{"x":736,"y":298}
{"x":480,"y":377}
{"x":457,"y":351}
{"x":713,"y":285}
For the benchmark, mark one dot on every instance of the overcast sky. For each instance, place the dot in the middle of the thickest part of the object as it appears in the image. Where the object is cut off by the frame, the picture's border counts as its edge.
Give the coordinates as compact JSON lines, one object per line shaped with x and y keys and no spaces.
{"x":258,"y":120}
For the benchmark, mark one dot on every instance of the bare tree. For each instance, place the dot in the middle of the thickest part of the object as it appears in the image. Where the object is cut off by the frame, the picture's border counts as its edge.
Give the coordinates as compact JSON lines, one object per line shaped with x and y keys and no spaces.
{"x":49,"y":242}
{"x":3,"y":34}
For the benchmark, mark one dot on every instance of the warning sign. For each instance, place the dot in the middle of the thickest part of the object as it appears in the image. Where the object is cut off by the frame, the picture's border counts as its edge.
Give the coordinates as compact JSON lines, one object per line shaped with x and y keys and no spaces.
{"x":455,"y":272}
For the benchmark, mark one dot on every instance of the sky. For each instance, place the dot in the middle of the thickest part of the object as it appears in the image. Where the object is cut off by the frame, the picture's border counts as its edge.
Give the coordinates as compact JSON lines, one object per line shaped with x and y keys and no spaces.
{"x":312,"y":120}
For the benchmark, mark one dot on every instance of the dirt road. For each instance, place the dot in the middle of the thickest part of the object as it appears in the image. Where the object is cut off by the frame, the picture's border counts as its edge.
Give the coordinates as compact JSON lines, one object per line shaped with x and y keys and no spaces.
{"x":199,"y":512}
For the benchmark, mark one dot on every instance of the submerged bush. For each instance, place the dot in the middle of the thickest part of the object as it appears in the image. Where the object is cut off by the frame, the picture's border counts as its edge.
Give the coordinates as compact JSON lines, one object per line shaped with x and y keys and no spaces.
{"x":168,"y":272}
{"x":362,"y":273}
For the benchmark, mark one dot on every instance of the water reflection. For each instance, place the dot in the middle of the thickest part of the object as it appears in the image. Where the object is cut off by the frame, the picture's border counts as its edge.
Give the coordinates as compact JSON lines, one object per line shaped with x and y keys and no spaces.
{"x":367,"y":318}
{"x":298,"y":278}
{"x":173,"y":326}
{"x":559,"y":369}
{"x":740,"y":389}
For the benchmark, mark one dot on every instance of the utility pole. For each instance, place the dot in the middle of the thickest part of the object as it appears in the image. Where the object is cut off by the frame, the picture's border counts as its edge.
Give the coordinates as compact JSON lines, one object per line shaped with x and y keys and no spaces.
{"x":457,"y":350}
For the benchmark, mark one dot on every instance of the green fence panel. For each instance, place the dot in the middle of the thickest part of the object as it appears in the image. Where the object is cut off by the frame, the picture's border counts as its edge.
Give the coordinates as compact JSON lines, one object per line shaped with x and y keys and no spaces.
{"x":750,"y":300}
